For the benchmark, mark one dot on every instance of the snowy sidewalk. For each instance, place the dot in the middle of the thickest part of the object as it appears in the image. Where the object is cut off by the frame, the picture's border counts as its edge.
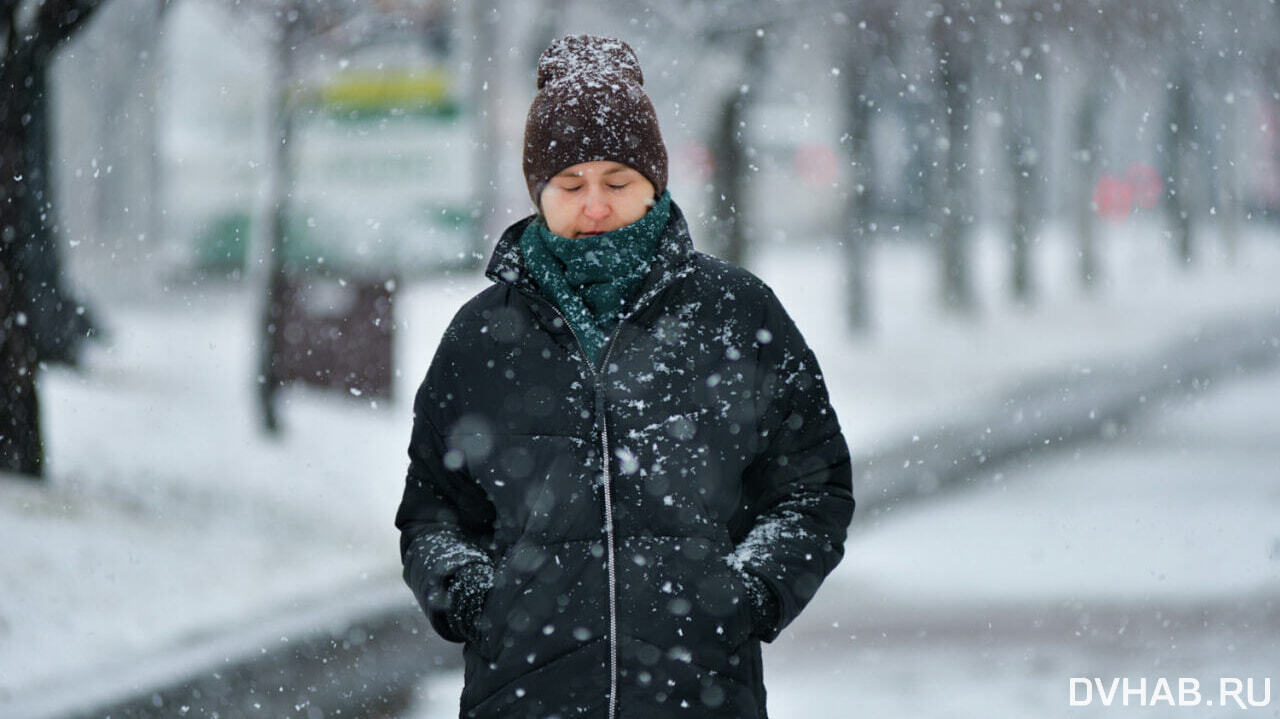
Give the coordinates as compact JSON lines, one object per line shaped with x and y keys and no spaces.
{"x":168,"y":522}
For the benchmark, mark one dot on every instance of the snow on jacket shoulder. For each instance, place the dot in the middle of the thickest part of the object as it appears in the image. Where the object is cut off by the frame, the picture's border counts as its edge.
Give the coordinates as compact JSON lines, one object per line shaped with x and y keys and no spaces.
{"x":621,"y":507}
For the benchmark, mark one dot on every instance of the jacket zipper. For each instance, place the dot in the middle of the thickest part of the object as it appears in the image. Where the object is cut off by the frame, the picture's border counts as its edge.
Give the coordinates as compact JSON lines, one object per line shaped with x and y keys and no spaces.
{"x":608,"y":527}
{"x":607,"y":489}
{"x":608,"y":477}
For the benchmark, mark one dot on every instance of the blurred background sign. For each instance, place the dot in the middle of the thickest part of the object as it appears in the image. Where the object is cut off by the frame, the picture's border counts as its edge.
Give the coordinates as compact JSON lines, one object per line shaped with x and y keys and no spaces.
{"x":380,"y":178}
{"x":335,"y":333}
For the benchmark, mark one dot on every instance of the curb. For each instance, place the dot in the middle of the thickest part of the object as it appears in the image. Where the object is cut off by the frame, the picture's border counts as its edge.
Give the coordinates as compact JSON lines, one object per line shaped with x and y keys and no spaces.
{"x":361,"y":655}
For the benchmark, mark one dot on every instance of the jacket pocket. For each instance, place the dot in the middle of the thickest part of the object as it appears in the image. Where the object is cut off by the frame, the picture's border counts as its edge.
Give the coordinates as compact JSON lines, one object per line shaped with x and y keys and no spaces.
{"x":489,"y":624}
{"x":741,"y":619}
{"x":508,"y":614}
{"x":680,"y":596}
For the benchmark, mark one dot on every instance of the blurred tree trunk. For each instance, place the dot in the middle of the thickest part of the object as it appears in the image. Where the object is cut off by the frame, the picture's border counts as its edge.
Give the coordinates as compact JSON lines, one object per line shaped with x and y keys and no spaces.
{"x":1177,"y":159}
{"x":861,"y":198}
{"x":123,"y":81}
{"x":295,"y":29}
{"x":953,"y":38}
{"x":920,"y":186}
{"x":1085,"y":143}
{"x":1223,"y":147}
{"x":1025,"y":120}
{"x":1271,"y":75}
{"x":155,"y":220}
{"x":861,"y":62}
{"x":116,"y":65}
{"x":545,"y":30}
{"x":1270,"y":83}
{"x":729,"y":148}
{"x":1228,"y":176}
{"x":486,"y":76}
{"x":280,"y":185}
{"x":57,"y":322}
{"x":56,"y":332}
{"x":21,"y":448}
{"x":40,"y":321}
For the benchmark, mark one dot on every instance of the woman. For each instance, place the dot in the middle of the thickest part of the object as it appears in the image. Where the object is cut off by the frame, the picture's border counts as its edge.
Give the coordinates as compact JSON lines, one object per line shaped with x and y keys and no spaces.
{"x":624,"y":471}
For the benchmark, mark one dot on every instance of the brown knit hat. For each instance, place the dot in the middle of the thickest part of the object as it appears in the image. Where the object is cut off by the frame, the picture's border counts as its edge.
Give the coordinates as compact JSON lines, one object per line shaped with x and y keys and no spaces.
{"x":591,"y":106}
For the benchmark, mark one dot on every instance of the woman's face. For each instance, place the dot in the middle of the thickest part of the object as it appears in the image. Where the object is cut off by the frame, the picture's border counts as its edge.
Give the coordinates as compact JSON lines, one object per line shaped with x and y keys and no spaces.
{"x":591,"y":198}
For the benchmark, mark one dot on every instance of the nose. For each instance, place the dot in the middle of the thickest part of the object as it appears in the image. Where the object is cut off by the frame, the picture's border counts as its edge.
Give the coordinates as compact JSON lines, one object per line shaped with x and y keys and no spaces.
{"x":597,"y":205}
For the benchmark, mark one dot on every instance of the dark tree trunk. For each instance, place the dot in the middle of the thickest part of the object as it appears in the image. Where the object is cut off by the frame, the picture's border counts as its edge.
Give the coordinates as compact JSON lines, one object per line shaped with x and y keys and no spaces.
{"x":1271,"y":82}
{"x":131,"y":131}
{"x":21,"y":449}
{"x":59,"y":323}
{"x":729,"y":148}
{"x":20,"y":444}
{"x":918,"y":192}
{"x":155,"y":222}
{"x":1024,"y":144}
{"x":486,"y":75}
{"x":1222,"y":147}
{"x":858,"y":207}
{"x":862,"y":55}
{"x":1179,"y":138}
{"x":546,"y":29}
{"x":1086,"y":155}
{"x":39,"y":321}
{"x":953,"y":39}
{"x":279,"y":194}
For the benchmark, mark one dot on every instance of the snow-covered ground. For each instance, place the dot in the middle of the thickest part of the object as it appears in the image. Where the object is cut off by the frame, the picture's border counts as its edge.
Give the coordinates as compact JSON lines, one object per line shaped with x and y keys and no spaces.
{"x":167,"y":519}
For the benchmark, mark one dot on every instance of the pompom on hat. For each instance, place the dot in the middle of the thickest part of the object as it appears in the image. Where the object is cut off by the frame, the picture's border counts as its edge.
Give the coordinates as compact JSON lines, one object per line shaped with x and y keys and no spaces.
{"x":591,"y":106}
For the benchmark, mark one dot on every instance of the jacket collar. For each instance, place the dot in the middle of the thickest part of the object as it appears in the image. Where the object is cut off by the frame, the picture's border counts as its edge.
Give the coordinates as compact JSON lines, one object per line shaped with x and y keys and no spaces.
{"x":672,"y":259}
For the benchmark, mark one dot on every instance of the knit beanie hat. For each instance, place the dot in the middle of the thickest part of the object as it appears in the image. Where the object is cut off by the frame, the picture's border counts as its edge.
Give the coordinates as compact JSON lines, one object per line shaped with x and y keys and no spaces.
{"x":590,"y":106}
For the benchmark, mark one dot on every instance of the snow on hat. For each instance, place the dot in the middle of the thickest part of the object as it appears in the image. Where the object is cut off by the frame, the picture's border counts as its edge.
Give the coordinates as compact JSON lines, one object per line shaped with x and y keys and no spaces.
{"x":590,"y":106}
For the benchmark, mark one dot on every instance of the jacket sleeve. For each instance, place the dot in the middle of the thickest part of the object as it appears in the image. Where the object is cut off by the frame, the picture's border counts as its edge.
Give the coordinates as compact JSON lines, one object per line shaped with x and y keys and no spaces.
{"x":799,"y":484}
{"x":445,"y":518}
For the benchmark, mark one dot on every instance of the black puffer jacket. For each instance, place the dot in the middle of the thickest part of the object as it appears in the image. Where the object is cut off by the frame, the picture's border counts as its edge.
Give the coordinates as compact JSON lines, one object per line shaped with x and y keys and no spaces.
{"x":620,"y":508}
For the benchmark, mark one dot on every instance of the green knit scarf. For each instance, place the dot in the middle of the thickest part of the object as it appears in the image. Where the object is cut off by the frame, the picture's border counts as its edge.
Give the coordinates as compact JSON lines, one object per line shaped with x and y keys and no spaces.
{"x":592,"y":279}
